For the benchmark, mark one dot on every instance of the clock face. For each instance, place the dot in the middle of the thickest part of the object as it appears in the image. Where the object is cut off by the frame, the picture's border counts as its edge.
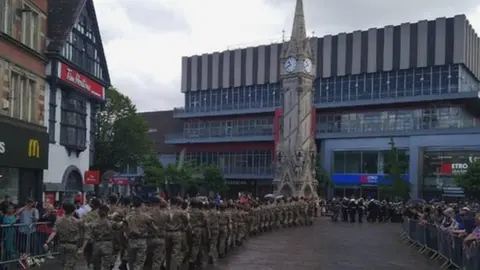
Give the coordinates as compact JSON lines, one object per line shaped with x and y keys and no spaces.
{"x":307,"y":65}
{"x":290,"y":64}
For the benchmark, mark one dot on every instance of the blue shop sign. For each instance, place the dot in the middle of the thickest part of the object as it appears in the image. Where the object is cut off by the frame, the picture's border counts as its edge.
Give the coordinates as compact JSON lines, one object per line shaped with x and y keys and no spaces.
{"x":362,"y":179}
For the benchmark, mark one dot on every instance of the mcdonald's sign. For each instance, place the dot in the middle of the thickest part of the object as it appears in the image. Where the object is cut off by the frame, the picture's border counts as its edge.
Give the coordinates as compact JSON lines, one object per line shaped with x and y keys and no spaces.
{"x":33,"y":148}
{"x":24,"y":146}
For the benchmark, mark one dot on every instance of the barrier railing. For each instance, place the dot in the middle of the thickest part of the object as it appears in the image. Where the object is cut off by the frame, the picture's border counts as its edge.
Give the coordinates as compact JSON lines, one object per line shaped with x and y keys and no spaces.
{"x":441,"y":245}
{"x":20,"y":242}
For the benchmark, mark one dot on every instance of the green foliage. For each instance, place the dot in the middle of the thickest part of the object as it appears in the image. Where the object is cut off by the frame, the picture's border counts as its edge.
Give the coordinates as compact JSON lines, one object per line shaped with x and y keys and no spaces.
{"x":153,"y":171}
{"x":213,"y":179}
{"x":322,"y":176}
{"x":120,"y":137}
{"x":396,"y":165}
{"x":182,"y":176}
{"x":470,"y":181}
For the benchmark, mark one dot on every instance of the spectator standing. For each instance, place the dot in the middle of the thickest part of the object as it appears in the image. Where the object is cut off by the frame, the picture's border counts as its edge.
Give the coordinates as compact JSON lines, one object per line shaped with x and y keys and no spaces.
{"x":28,"y":216}
{"x":5,"y":202}
{"x":8,"y":233}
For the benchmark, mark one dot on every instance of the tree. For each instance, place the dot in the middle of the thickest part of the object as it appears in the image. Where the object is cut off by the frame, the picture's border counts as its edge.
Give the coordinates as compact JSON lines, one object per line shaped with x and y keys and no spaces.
{"x":213,"y":179}
{"x":120,"y":136}
{"x":154,"y":172}
{"x":470,"y":180}
{"x":395,"y":168}
{"x":180,"y":178}
{"x":322,"y":177}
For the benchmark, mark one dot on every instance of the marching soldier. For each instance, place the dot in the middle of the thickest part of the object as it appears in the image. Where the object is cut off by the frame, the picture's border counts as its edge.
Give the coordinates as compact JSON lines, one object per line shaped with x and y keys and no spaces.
{"x":156,"y":241}
{"x":90,"y":217}
{"x":100,"y":233}
{"x":199,"y":225}
{"x":69,"y":230}
{"x":175,"y":228}
{"x":214,"y":225}
{"x":138,"y":225}
{"x":224,"y":223}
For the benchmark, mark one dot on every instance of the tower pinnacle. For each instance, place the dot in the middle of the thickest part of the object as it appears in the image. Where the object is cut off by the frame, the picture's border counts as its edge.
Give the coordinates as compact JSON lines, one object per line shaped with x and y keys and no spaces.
{"x":299,"y":44}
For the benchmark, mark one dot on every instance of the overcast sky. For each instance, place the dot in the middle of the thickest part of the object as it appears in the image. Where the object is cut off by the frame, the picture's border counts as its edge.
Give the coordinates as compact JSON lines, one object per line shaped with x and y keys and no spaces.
{"x":144,"y":40}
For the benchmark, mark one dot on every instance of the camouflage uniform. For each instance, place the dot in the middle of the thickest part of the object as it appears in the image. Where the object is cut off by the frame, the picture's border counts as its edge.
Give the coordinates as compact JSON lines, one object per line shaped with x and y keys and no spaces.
{"x":175,"y":228}
{"x":198,"y":223}
{"x":101,"y":233}
{"x":156,"y":243}
{"x":214,"y":225}
{"x":231,"y":229}
{"x":240,"y":225}
{"x":69,"y":231}
{"x":224,"y":223}
{"x":88,"y":218}
{"x":138,"y":224}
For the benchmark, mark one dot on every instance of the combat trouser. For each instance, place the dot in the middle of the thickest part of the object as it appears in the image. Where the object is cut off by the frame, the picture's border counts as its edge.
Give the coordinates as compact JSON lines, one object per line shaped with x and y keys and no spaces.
{"x":222,"y":240}
{"x":173,"y":243}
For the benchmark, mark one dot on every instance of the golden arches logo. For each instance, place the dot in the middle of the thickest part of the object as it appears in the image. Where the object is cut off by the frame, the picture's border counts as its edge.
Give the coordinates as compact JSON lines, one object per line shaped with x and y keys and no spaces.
{"x":33,"y":148}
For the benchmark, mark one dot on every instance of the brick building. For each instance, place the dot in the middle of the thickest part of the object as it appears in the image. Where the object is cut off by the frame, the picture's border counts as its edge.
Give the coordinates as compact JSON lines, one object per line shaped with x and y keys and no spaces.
{"x":23,"y":137}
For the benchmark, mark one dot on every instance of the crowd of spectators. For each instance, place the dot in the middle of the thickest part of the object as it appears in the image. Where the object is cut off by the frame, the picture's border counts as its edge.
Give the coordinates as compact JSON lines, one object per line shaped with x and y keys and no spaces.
{"x":23,"y":228}
{"x":460,"y":219}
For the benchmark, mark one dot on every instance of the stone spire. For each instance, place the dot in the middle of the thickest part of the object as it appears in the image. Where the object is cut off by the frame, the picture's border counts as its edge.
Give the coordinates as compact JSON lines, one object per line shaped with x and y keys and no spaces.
{"x":298,"y":45}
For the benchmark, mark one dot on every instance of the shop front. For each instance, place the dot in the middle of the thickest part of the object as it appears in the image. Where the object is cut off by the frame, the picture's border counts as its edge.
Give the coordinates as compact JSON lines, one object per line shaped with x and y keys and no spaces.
{"x":23,"y":157}
{"x":441,"y":168}
{"x":361,"y":185}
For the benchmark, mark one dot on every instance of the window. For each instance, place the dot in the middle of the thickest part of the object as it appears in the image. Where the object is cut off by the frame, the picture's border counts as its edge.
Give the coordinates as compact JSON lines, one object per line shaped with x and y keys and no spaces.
{"x":9,"y":182}
{"x":353,"y":162}
{"x":30,"y":29}
{"x":383,"y":85}
{"x":6,"y":16}
{"x":397,"y":120}
{"x":369,"y":162}
{"x":339,"y":162}
{"x":73,"y":122}
{"x":52,"y":110}
{"x":81,"y":49}
{"x":441,"y":168}
{"x":363,"y":162}
{"x":22,"y":97}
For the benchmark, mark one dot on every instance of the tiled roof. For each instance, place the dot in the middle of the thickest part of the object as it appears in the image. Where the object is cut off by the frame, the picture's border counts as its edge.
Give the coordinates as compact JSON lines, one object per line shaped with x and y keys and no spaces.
{"x":161,"y":123}
{"x":62,"y":15}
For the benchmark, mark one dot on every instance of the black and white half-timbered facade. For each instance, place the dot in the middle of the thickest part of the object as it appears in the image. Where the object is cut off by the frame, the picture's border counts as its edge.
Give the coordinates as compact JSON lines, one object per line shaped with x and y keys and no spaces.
{"x":77,"y":77}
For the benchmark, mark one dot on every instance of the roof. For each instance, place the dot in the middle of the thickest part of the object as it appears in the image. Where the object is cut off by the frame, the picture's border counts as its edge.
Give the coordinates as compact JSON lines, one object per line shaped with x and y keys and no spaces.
{"x":161,"y":123}
{"x":62,"y":15}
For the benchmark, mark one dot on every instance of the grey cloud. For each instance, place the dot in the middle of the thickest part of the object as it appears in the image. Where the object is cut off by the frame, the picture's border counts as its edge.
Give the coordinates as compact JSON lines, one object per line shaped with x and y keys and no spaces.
{"x":155,"y":15}
{"x":150,"y":95}
{"x":331,"y":17}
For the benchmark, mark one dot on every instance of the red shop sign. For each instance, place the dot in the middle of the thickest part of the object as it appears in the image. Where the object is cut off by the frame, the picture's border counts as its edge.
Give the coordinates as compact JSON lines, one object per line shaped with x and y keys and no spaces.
{"x":80,"y":81}
{"x":92,"y":177}
{"x":121,"y":181}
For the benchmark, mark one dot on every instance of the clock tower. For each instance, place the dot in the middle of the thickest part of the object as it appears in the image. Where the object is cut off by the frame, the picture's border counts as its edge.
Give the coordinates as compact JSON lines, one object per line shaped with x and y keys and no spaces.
{"x":296,"y":150}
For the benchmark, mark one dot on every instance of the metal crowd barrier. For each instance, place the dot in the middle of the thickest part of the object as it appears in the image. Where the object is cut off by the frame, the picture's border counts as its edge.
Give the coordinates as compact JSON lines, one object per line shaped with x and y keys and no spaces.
{"x":441,"y":245}
{"x":22,"y":241}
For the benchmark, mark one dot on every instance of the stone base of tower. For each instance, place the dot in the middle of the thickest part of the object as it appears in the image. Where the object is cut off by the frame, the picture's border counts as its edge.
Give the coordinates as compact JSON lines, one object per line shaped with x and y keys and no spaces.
{"x":299,"y":189}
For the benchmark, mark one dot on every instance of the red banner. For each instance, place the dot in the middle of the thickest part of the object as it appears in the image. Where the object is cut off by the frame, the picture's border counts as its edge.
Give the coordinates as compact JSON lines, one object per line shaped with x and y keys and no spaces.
{"x":92,"y":177}
{"x":121,"y":181}
{"x":79,"y":81}
{"x":277,"y":122}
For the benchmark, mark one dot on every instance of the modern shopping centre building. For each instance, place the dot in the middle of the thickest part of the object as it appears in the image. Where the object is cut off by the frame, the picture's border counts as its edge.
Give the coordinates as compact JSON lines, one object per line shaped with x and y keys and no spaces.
{"x":417,"y":83}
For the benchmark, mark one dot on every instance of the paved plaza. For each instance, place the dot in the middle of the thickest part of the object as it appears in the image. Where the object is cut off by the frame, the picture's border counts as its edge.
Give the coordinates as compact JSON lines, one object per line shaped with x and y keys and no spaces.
{"x":327,"y":246}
